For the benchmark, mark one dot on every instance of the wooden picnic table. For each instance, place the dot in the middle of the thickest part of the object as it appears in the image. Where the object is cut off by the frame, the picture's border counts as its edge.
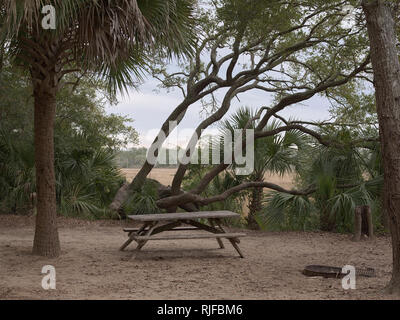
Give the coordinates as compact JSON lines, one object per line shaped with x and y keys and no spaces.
{"x":154,"y":224}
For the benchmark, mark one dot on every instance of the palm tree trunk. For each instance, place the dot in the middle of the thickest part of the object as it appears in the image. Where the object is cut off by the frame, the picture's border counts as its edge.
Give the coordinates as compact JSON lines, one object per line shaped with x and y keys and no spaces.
{"x":327,"y":221}
{"x":46,"y":241}
{"x":254,"y":207}
{"x":386,"y":66}
{"x":1,"y":56}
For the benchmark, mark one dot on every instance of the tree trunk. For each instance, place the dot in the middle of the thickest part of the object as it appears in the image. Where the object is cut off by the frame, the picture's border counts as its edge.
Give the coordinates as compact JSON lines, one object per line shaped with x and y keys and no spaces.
{"x":1,"y":56}
{"x":46,"y":241}
{"x":137,"y":182}
{"x":386,"y":66}
{"x":140,"y":178}
{"x":363,"y":223}
{"x":254,"y":207}
{"x":357,"y":223}
{"x":327,"y":221}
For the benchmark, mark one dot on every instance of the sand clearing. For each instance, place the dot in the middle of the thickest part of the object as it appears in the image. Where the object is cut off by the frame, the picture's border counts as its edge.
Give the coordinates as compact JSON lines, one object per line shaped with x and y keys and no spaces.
{"x":91,"y":267}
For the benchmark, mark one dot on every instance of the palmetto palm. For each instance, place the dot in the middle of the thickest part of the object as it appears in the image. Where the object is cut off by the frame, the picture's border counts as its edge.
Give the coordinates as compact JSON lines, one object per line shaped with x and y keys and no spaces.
{"x":110,"y":39}
{"x":274,"y":154}
{"x":331,"y":206}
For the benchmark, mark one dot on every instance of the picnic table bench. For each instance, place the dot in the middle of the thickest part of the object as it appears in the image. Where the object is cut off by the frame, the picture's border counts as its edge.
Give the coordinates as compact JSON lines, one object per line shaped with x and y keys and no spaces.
{"x":152,"y":225}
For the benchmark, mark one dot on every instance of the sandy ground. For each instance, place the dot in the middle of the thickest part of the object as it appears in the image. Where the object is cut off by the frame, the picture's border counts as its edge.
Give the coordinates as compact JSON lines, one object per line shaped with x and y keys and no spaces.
{"x":91,"y":267}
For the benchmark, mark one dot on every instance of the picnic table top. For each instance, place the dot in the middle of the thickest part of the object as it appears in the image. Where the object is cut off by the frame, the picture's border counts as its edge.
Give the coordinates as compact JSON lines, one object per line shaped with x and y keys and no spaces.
{"x":184,"y":216}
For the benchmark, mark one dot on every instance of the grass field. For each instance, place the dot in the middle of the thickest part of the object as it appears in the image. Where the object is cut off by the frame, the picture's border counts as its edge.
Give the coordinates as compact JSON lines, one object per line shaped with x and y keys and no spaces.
{"x":165,"y":176}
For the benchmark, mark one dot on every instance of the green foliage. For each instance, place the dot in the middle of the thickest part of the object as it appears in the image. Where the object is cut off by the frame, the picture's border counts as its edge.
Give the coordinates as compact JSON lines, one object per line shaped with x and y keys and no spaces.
{"x":136,"y":157}
{"x":17,"y":174}
{"x":16,"y":142}
{"x":341,"y":183}
{"x":274,"y":154}
{"x":86,"y":140}
{"x":86,"y":182}
{"x":133,"y":158}
{"x":219,"y":184}
{"x":118,"y":55}
{"x":255,"y":18}
{"x":95,"y":129}
{"x":143,"y":201}
{"x":284,"y":211}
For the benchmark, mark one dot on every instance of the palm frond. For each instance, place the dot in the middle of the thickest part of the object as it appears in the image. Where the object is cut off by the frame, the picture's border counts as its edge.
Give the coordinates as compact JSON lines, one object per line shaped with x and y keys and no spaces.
{"x":283,"y":211}
{"x":115,"y":39}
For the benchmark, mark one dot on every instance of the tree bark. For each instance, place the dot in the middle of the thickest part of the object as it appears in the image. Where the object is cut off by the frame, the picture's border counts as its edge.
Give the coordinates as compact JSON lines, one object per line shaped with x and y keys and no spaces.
{"x":140,"y":178}
{"x":254,"y":207}
{"x":369,"y":222}
{"x":357,"y":223}
{"x":1,"y":56}
{"x":46,"y":242}
{"x":327,"y":220}
{"x":363,"y":223}
{"x":386,"y":66}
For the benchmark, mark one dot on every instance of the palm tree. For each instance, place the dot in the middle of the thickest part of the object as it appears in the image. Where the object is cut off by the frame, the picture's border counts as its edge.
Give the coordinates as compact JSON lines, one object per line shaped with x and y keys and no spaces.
{"x":274,"y":154}
{"x":107,"y":39}
{"x":331,"y":168}
{"x":339,"y":178}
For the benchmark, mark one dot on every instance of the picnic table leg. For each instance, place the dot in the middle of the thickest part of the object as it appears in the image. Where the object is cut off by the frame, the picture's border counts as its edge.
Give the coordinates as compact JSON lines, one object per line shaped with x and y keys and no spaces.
{"x":234,"y":244}
{"x":233,"y":241}
{"x":141,"y":243}
{"x":221,"y":245}
{"x":132,"y":235}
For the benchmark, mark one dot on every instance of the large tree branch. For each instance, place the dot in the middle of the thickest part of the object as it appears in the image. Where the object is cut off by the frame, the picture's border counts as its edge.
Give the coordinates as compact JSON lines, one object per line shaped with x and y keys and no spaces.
{"x":188,"y":197}
{"x":301,"y":96}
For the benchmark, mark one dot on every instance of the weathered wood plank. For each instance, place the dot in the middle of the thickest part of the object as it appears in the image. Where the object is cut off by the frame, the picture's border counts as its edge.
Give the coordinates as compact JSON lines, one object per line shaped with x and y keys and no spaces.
{"x":191,"y":236}
{"x":175,"y":229}
{"x":184,"y":216}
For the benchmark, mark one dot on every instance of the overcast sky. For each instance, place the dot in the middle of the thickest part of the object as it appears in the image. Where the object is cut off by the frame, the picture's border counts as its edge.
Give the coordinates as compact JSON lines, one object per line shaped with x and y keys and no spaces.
{"x":149,"y":110}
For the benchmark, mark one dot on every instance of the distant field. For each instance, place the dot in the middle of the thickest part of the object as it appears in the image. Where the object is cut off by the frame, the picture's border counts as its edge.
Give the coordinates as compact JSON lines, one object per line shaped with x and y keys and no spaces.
{"x":165,"y":176}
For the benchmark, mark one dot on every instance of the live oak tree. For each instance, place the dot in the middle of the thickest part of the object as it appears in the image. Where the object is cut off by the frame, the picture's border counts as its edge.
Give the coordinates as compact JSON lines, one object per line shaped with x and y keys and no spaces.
{"x":107,"y":39}
{"x":381,"y":17}
{"x":291,"y":50}
{"x":286,"y":48}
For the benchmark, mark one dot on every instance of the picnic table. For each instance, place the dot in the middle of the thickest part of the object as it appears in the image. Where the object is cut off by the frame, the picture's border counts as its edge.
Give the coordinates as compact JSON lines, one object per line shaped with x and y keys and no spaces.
{"x":152,"y":225}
